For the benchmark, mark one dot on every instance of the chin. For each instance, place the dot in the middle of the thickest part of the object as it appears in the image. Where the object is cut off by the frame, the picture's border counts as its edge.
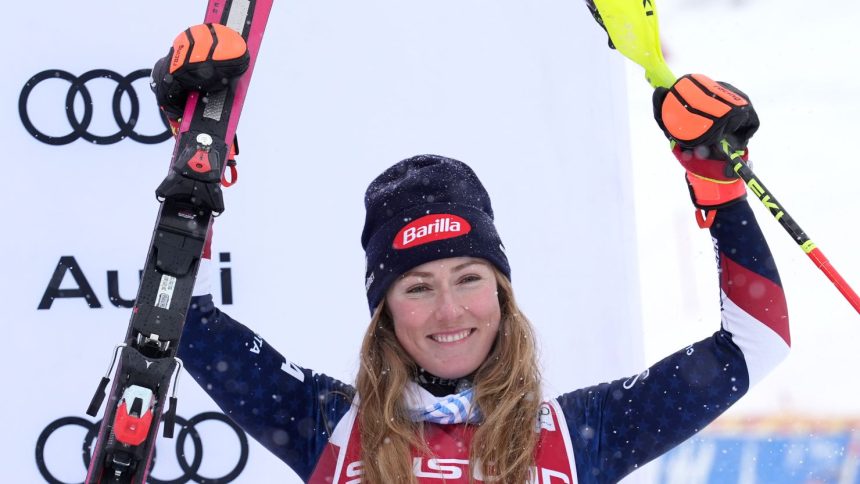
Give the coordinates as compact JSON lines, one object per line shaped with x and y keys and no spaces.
{"x":452,"y":373}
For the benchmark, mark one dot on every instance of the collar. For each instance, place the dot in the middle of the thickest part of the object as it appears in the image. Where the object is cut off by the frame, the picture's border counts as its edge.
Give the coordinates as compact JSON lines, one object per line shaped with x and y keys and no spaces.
{"x":451,"y":409}
{"x":441,"y":387}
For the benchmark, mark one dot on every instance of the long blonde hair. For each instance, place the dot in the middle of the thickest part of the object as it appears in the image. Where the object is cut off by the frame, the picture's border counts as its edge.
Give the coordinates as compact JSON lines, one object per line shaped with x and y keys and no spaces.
{"x":507,"y":392}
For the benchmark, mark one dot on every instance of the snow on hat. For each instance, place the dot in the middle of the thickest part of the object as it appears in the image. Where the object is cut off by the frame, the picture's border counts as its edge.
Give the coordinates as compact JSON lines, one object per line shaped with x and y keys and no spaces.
{"x":421,"y":209}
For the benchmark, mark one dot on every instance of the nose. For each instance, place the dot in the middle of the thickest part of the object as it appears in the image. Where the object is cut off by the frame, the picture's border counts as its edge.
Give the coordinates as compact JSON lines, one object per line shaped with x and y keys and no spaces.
{"x":448,"y":307}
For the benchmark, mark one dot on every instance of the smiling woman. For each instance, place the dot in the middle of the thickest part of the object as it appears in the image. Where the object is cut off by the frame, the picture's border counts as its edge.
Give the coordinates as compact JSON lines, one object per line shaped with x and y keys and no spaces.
{"x":445,"y":332}
{"x":451,"y":327}
{"x":449,"y":387}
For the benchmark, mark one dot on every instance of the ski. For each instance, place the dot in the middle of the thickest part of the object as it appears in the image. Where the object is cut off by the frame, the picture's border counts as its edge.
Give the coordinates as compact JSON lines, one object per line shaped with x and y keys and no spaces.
{"x":190,"y":197}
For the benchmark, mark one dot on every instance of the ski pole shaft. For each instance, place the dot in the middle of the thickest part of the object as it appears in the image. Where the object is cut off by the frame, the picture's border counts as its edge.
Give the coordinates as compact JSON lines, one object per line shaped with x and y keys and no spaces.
{"x":791,"y":226}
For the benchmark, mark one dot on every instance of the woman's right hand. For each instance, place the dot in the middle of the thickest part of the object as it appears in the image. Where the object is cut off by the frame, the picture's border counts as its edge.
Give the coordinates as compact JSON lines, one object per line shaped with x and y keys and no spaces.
{"x":205,"y":57}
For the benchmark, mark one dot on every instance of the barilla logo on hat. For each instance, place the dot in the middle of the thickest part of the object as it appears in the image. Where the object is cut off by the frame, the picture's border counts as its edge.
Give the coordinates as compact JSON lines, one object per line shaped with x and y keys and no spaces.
{"x":430,"y":228}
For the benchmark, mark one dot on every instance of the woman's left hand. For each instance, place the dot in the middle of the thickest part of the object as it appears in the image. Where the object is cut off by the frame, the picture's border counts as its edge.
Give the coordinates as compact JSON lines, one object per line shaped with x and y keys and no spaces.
{"x":709,"y":124}
{"x":697,"y":111}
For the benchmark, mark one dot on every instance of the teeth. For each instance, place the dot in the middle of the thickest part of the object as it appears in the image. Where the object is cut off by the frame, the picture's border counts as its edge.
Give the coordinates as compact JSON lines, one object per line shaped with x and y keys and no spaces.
{"x":450,"y":338}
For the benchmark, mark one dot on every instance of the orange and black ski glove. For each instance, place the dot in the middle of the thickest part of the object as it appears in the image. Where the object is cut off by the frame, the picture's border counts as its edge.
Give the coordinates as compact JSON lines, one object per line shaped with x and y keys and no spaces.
{"x":205,"y":58}
{"x":703,"y":118}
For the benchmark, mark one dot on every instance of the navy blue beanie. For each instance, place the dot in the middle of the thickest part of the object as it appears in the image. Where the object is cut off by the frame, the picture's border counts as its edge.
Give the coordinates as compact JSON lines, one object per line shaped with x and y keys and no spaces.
{"x":421,"y":209}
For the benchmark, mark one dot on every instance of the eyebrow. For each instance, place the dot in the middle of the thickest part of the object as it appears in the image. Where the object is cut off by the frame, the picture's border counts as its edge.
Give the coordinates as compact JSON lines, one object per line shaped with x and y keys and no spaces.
{"x":429,"y":275}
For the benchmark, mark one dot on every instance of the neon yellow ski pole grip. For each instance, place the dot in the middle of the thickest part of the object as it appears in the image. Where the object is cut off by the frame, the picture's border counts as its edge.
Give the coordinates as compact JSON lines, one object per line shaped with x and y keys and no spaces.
{"x":632,"y":25}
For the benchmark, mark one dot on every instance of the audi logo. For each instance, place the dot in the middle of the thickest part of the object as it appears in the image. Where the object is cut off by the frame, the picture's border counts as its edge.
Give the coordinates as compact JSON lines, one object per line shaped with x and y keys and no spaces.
{"x":80,"y":125}
{"x":190,"y":470}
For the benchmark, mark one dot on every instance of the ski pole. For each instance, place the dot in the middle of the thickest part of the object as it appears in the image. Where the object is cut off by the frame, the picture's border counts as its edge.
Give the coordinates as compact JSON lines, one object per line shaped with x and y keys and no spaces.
{"x":633,"y":30}
{"x":790,"y":226}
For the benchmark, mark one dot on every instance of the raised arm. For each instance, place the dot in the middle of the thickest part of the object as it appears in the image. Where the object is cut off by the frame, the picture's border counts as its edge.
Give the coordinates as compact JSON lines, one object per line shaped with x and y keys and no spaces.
{"x":290,"y":410}
{"x":619,"y":426}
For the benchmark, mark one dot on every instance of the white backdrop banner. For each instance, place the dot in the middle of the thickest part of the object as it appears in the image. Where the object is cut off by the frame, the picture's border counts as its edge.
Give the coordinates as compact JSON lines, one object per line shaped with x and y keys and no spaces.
{"x":525,"y":92}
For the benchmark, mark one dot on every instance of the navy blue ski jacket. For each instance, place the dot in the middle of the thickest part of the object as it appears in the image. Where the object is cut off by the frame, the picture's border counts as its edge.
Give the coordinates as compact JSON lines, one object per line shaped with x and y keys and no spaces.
{"x":600,"y":433}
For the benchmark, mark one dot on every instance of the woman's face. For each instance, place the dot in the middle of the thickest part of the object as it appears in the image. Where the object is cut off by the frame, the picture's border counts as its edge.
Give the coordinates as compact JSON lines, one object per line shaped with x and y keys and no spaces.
{"x":446,"y":314}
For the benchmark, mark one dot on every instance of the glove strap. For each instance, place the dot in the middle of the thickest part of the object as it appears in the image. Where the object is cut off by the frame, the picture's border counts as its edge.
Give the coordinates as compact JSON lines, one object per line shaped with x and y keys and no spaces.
{"x":231,"y":165}
{"x":705,"y":218}
{"x":709,"y":194}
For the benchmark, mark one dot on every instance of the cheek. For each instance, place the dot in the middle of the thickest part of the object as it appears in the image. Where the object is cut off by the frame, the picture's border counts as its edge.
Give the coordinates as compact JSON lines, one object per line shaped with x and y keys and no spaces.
{"x":408,"y":319}
{"x":403,"y":311}
{"x":486,"y":308}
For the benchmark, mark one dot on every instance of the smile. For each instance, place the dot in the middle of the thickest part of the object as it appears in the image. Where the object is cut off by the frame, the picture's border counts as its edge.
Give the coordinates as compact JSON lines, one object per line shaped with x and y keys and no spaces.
{"x":451,"y":337}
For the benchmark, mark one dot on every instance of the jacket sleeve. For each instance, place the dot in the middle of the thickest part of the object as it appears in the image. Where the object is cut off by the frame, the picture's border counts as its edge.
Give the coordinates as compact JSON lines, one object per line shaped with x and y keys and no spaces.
{"x":288,"y":409}
{"x":619,"y":426}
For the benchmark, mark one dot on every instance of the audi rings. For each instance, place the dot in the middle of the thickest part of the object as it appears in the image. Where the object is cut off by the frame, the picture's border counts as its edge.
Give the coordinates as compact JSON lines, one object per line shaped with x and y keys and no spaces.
{"x":190,"y":471}
{"x":80,"y":126}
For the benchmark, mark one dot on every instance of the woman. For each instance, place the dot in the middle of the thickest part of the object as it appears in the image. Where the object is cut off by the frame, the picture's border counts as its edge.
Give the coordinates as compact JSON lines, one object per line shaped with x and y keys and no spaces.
{"x":448,"y":388}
